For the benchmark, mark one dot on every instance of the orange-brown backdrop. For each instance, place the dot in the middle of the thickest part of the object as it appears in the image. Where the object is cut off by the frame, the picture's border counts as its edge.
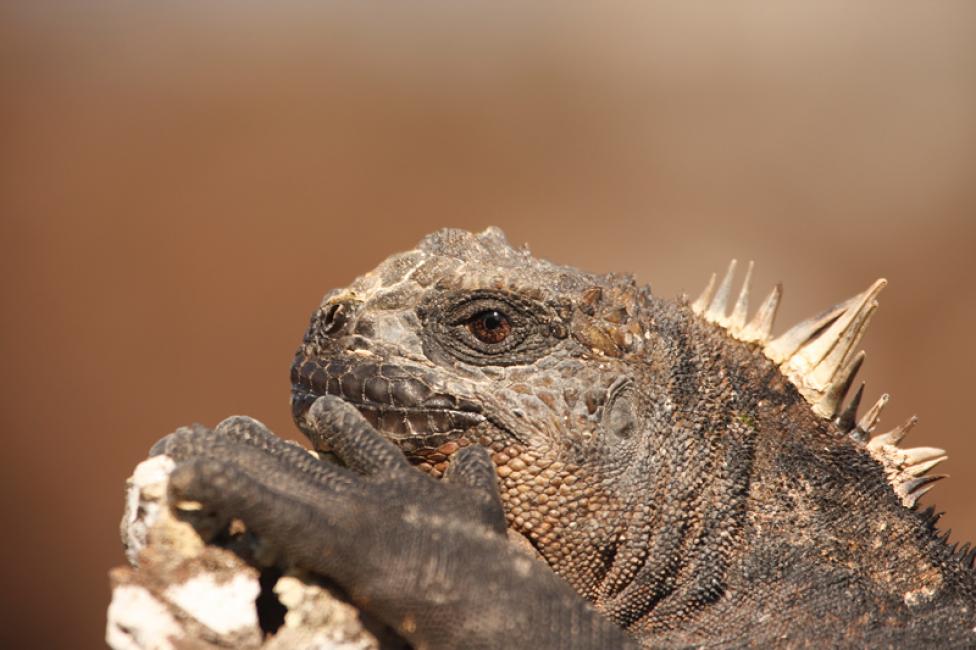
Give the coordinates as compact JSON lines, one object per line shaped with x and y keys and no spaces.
{"x":179,"y":185}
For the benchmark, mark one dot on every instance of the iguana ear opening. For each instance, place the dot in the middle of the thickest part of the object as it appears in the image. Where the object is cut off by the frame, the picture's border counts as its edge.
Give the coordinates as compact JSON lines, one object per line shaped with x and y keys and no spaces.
{"x":620,"y":418}
{"x":818,"y":356}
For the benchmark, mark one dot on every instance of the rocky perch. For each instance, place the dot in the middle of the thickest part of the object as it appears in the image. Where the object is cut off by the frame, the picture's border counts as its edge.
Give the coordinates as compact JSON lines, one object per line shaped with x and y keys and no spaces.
{"x":198,"y":582}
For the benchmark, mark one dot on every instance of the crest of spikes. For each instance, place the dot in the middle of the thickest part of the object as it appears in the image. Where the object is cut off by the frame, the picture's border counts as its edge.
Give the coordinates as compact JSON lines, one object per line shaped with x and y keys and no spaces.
{"x":819,"y":357}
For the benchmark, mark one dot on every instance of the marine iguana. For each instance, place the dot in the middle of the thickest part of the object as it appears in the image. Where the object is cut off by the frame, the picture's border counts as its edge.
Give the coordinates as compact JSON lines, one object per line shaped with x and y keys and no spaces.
{"x":685,"y":478}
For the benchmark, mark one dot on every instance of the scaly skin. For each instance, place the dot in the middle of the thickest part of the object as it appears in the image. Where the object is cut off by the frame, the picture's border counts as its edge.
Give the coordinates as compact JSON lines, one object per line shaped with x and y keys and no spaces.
{"x":671,"y":475}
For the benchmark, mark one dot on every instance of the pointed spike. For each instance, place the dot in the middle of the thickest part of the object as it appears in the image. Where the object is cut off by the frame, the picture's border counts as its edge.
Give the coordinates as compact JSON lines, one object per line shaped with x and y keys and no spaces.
{"x":862,"y":432}
{"x":922,"y":482}
{"x":944,"y":537}
{"x":970,"y":559}
{"x":899,"y":432}
{"x":917,"y":469}
{"x":782,"y":348}
{"x":963,"y":550}
{"x":912,"y":498}
{"x":870,"y":419}
{"x":894,"y":436}
{"x":701,"y":304}
{"x":829,"y":405}
{"x":930,"y":517}
{"x":916,"y":455}
{"x":825,"y":371}
{"x":760,"y":328}
{"x":738,"y":318}
{"x":845,"y":421}
{"x":720,"y":303}
{"x":841,"y":334}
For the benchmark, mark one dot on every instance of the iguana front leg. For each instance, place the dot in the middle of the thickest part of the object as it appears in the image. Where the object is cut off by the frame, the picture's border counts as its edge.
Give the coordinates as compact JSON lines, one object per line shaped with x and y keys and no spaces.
{"x":428,"y":557}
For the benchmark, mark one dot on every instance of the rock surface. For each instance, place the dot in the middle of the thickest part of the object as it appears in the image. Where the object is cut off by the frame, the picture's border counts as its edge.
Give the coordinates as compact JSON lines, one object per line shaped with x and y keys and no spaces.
{"x":197,"y":582}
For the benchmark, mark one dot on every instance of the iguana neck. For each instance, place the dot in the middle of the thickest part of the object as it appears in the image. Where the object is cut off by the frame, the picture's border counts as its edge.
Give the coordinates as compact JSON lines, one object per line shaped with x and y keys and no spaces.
{"x":691,"y":532}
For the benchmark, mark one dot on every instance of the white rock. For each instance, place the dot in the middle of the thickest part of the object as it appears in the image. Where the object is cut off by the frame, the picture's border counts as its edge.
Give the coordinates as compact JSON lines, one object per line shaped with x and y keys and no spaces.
{"x":224,"y":607}
{"x":145,"y":498}
{"x":137,"y":621}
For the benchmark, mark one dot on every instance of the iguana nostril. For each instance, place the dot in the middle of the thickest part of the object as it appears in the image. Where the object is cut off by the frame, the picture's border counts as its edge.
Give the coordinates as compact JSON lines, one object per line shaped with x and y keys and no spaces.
{"x":335,"y":317}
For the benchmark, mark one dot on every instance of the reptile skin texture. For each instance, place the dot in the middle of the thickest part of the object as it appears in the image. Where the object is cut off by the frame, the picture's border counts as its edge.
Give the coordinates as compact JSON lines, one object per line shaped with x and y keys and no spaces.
{"x":670,"y":484}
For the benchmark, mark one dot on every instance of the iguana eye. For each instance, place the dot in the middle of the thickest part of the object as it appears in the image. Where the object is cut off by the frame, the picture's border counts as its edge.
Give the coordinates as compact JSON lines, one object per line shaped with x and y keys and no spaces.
{"x":486,"y":327}
{"x":490,"y":326}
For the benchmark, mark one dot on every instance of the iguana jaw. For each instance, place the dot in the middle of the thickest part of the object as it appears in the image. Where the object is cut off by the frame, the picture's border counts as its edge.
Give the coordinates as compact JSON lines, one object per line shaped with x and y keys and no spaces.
{"x":400,"y":401}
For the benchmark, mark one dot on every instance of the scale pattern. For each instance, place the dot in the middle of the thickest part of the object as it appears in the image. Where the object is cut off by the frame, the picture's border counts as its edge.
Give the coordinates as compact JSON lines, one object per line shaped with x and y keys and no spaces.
{"x":675,"y":476}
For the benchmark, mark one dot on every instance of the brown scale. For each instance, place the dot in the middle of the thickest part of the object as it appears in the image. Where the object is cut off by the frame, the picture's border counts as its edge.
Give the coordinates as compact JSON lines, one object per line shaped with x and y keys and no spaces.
{"x":435,"y":460}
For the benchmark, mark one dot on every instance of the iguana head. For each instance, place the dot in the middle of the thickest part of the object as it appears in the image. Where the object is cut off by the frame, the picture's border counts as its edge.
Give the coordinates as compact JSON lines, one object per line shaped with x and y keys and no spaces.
{"x":466,"y":339}
{"x":624,"y":427}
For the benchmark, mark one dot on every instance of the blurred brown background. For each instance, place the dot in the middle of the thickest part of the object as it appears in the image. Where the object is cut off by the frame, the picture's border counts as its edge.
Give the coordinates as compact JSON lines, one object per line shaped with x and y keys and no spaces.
{"x":179,"y":186}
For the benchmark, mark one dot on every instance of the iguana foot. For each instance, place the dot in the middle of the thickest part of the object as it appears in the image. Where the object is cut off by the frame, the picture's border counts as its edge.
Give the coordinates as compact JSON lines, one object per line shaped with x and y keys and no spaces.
{"x":428,"y":557}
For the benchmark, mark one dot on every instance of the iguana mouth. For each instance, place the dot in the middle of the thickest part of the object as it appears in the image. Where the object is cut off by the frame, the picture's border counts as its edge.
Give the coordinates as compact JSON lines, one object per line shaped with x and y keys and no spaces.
{"x":398,"y":400}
